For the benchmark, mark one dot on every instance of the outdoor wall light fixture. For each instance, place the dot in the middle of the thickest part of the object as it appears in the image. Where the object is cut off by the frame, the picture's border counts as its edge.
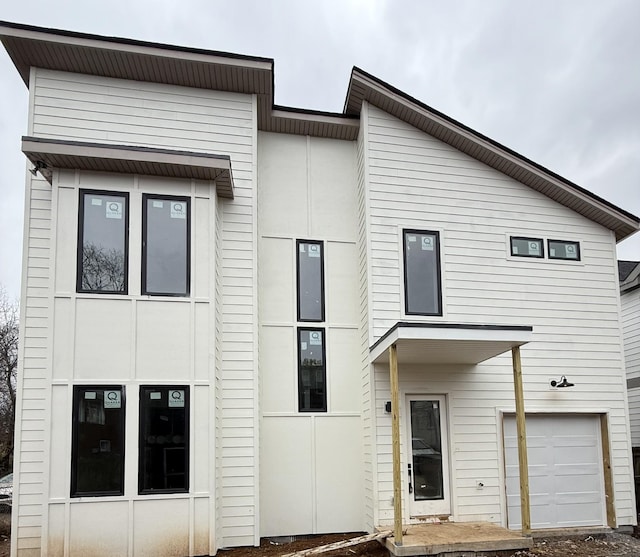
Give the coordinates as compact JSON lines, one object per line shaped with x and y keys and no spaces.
{"x":562,"y":383}
{"x":38,"y":167}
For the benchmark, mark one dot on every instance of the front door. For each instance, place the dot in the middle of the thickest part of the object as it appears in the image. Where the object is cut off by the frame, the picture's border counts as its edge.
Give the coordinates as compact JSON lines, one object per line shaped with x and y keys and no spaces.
{"x":427,"y":462}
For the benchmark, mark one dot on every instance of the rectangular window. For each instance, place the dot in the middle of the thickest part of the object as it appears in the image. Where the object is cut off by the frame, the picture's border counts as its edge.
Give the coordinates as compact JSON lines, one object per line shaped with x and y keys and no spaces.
{"x":310,"y":271}
{"x":423,"y":294}
{"x":527,"y":247}
{"x":97,"y":454}
{"x":312,"y":376}
{"x":164,"y":439}
{"x":561,"y":249}
{"x":103,"y":232}
{"x":165,"y":245}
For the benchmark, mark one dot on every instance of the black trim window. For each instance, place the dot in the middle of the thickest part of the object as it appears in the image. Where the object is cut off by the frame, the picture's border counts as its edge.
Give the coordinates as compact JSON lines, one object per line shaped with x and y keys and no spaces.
{"x":310,"y":275}
{"x":422,"y":288}
{"x":164,"y":439}
{"x":97,"y":453}
{"x":312,"y":371}
{"x":103,"y":242}
{"x":527,"y":247}
{"x":562,"y":249}
{"x":165,"y":245}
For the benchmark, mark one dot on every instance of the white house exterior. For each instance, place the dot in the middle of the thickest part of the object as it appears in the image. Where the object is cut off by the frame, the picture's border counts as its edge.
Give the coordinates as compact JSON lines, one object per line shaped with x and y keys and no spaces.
{"x":630,"y":302}
{"x":212,"y":285}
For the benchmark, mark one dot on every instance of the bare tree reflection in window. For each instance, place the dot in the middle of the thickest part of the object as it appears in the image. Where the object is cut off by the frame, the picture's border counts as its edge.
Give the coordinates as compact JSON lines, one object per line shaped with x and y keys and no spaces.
{"x":102,"y":269}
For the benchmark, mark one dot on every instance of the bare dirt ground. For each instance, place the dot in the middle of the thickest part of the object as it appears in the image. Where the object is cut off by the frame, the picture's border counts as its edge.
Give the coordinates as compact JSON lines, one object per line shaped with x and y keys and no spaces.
{"x":606,"y":545}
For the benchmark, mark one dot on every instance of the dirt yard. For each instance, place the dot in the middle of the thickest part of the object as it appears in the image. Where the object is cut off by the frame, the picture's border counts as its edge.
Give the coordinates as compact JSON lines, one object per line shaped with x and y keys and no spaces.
{"x":607,"y":545}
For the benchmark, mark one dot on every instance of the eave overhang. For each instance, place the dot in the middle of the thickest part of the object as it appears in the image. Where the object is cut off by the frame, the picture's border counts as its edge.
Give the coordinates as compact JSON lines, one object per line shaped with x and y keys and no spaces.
{"x":48,"y":154}
{"x":448,"y":343}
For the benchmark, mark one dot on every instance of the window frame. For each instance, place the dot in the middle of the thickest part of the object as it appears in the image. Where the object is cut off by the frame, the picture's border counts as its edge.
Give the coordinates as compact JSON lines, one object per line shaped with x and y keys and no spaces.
{"x":564,"y":242}
{"x":80,"y":245}
{"x":77,"y":389}
{"x":324,"y":409}
{"x":436,"y":234}
{"x":143,"y":270}
{"x":528,"y":239}
{"x":187,"y":435}
{"x":322,"y":285}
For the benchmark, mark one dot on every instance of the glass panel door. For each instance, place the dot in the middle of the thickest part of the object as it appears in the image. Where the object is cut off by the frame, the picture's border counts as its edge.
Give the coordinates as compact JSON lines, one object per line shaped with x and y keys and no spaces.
{"x":428,"y":465}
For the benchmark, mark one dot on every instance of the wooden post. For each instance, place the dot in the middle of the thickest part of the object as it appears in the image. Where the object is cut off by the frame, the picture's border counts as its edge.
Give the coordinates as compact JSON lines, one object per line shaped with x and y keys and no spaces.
{"x":525,"y":509}
{"x":395,"y":442}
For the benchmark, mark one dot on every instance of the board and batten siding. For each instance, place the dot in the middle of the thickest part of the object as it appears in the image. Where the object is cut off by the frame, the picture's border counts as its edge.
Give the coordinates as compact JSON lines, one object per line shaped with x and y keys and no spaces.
{"x":419,"y":182}
{"x":96,"y":109}
{"x":311,"y":462}
{"x":630,"y":303}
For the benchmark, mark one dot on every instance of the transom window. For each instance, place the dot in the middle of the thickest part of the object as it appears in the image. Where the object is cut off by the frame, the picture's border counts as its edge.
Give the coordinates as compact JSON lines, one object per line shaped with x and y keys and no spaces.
{"x":103,"y":242}
{"x":527,"y":247}
{"x":165,"y":245}
{"x":312,"y":373}
{"x":310,"y":272}
{"x":423,"y":294}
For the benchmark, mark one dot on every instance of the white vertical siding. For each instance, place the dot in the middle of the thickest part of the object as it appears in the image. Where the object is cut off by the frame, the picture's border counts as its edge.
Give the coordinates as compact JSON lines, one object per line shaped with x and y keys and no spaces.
{"x":416,"y":181}
{"x":630,"y":303}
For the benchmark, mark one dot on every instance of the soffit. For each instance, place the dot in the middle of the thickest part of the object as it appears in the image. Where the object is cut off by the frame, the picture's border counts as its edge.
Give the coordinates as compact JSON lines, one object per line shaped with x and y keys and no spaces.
{"x":440,"y":343}
{"x":130,"y":160}
{"x":365,"y":87}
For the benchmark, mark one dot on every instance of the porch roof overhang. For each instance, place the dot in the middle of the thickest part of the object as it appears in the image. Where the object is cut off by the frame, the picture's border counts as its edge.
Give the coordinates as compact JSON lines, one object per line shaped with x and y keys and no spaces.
{"x":448,"y":343}
{"x":48,"y":154}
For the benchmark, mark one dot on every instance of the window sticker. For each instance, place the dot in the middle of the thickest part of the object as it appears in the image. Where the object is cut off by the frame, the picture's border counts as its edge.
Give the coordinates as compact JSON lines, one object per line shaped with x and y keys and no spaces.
{"x":515,"y":250}
{"x":96,"y":201}
{"x":176,"y":399}
{"x":114,"y":210}
{"x":178,"y":210}
{"x":112,"y":399}
{"x":427,"y":243}
{"x":303,"y":345}
{"x":157,"y":204}
{"x":314,"y":338}
{"x":90,"y":395}
{"x":301,"y":248}
{"x":412,"y":238}
{"x":571,"y":250}
{"x":314,"y":250}
{"x":534,"y":248}
{"x":155,"y":396}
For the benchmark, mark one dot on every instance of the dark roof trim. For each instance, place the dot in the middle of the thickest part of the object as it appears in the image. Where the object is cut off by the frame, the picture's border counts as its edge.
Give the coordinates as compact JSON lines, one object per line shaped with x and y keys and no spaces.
{"x":456,"y":326}
{"x":48,"y":154}
{"x":133,"y":42}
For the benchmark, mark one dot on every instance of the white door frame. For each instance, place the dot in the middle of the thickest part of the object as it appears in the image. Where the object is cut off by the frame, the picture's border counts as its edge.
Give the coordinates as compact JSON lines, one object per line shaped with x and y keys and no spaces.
{"x":441,"y":506}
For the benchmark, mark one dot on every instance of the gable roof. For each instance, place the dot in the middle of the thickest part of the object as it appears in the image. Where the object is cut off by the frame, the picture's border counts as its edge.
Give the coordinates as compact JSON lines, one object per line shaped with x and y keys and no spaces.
{"x":145,"y":61}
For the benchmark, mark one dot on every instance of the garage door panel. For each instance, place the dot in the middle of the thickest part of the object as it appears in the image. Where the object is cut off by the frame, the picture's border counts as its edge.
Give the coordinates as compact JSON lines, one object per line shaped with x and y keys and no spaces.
{"x":565,"y":471}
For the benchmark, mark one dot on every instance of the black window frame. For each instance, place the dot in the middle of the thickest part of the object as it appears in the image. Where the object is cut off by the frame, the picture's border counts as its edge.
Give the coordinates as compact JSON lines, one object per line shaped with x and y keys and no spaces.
{"x":565,"y":243}
{"x":141,"y":445}
{"x":323,"y":409}
{"x":80,"y":246}
{"x":143,"y":281}
{"x":77,"y":390}
{"x":436,"y":234}
{"x":322,"y":285}
{"x":527,"y":239}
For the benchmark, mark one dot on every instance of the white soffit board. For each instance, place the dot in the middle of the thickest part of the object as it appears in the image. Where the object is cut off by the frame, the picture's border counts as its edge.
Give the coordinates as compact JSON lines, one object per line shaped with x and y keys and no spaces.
{"x":438,"y":343}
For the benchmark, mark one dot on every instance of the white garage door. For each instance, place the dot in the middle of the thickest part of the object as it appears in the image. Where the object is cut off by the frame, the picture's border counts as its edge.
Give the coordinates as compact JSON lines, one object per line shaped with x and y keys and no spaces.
{"x":566,"y":481}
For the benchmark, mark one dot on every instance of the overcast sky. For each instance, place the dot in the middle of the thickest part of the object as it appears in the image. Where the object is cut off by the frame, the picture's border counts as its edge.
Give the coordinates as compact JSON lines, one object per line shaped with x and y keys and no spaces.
{"x":557,"y":81}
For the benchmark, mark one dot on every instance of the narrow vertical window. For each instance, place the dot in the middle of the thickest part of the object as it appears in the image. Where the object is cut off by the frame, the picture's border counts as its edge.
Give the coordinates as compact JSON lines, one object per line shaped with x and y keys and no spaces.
{"x":97,"y":454}
{"x":310,"y":271}
{"x":103,"y":242}
{"x":423,"y":295}
{"x":164,"y":439}
{"x":165,"y":245}
{"x":312,"y":376}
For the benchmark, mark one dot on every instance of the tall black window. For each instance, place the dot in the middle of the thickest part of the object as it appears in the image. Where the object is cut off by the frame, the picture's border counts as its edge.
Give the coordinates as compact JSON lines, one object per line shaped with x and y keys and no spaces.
{"x":312,"y":376}
{"x":103,"y":242}
{"x":422,"y":295}
{"x":164,"y":439}
{"x":165,"y":245}
{"x":310,"y":270}
{"x":97,"y":454}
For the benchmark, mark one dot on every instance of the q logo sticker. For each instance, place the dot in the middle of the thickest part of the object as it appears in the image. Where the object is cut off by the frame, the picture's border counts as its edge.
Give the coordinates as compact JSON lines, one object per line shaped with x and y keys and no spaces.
{"x":112,"y":399}
{"x":113,"y":210}
{"x":178,"y":210}
{"x":176,"y":399}
{"x":314,"y":338}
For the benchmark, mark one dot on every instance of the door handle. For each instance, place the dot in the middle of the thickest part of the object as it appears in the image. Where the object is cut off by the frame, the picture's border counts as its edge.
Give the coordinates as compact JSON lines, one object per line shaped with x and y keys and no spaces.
{"x":410,"y":478}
